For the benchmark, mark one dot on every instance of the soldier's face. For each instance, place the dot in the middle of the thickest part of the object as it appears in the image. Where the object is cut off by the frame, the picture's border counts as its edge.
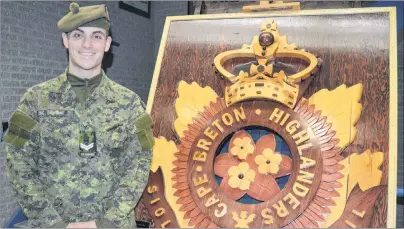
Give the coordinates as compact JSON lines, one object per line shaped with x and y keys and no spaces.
{"x":86,"y":47}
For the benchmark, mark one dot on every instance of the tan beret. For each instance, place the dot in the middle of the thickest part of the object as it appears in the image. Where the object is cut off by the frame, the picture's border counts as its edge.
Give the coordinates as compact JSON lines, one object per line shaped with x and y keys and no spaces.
{"x":96,"y":16}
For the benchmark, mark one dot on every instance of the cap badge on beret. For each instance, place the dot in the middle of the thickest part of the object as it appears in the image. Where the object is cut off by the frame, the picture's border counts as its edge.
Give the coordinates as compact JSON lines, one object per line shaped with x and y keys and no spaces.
{"x":74,"y":7}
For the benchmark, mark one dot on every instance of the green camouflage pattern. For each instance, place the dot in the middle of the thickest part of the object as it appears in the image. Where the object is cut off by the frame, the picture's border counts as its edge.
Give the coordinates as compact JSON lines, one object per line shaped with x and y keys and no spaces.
{"x":53,"y":183}
{"x":20,"y":129}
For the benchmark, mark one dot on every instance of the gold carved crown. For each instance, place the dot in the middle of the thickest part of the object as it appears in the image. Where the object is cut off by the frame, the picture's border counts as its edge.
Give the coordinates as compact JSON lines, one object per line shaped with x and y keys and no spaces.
{"x":261,"y":82}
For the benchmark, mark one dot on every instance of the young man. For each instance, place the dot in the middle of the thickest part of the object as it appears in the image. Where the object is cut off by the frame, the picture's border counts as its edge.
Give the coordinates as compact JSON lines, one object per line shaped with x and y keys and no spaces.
{"x":79,"y":146}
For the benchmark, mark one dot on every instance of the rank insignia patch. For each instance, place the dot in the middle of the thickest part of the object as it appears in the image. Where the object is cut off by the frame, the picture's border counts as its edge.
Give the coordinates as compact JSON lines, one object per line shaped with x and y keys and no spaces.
{"x":88,"y":143}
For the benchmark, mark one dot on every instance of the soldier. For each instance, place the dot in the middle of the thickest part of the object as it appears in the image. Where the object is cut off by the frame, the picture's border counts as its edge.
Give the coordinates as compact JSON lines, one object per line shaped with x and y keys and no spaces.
{"x":79,"y":146}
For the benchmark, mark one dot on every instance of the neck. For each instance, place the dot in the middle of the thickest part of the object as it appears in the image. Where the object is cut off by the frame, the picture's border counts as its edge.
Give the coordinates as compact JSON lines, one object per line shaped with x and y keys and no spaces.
{"x":84,"y":73}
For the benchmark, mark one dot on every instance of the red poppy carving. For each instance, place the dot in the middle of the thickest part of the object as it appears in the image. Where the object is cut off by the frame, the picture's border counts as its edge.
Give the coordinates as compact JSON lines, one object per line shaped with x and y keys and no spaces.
{"x":251,"y":168}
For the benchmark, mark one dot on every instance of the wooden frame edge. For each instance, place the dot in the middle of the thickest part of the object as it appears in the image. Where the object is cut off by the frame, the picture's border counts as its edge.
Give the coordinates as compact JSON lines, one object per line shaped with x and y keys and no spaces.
{"x":393,"y":116}
{"x":157,"y":66}
{"x":282,"y":13}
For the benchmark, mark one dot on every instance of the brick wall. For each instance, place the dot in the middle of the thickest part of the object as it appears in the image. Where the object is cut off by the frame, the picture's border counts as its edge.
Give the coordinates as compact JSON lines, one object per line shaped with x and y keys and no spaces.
{"x":32,"y":52}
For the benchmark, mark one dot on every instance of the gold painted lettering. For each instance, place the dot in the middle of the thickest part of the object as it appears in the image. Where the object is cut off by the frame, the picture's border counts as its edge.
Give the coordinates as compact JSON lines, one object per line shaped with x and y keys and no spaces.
{"x":227,"y":119}
{"x":292,"y":126}
{"x":350,"y":224}
{"x":159,"y":212}
{"x":210,"y":133}
{"x":200,"y":180}
{"x":293,"y":201}
{"x":203,"y":144}
{"x":266,"y":213}
{"x":305,"y":177}
{"x":281,"y":209}
{"x":277,"y":115}
{"x":360,"y":214}
{"x":284,"y":119}
{"x":200,"y":156}
{"x":218,"y":126}
{"x":163,"y":225}
{"x":203,"y":191}
{"x":221,"y":213}
{"x":155,"y":201}
{"x":211,"y":201}
{"x":301,"y":137}
{"x":239,"y":115}
{"x":152,"y":189}
{"x":307,"y":162}
{"x":300,"y":189}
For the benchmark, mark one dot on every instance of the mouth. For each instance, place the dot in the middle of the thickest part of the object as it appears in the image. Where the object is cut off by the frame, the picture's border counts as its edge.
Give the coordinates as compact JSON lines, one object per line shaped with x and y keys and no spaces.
{"x":87,"y":53}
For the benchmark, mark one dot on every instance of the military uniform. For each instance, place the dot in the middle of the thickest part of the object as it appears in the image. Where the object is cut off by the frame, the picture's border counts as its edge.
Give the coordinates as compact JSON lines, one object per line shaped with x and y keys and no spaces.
{"x":76,"y":160}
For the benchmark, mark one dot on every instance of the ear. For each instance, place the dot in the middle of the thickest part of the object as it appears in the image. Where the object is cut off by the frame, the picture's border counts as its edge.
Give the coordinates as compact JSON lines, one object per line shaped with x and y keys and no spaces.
{"x":108,"y":44}
{"x":65,"y":40}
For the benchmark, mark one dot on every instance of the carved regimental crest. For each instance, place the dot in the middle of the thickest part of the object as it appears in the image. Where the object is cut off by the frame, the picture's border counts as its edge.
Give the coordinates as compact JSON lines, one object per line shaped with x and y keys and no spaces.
{"x":263,"y":156}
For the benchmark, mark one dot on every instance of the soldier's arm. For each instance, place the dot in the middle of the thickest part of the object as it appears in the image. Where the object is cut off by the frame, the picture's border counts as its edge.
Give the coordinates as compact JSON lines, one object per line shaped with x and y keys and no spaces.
{"x":22,"y":147}
{"x":135,"y":171}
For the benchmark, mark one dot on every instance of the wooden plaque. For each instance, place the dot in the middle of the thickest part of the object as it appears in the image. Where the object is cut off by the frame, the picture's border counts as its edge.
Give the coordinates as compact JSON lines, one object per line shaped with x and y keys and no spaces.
{"x":275,"y":120}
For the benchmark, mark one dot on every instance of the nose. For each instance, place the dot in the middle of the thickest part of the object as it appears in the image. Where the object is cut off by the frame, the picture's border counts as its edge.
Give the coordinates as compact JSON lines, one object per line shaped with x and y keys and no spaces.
{"x":87,"y":42}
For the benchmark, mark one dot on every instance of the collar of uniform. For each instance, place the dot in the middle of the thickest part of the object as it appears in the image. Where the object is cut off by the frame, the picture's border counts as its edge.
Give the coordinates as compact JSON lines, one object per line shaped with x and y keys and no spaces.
{"x":61,"y":92}
{"x":104,"y":89}
{"x":64,"y":88}
{"x":76,"y":81}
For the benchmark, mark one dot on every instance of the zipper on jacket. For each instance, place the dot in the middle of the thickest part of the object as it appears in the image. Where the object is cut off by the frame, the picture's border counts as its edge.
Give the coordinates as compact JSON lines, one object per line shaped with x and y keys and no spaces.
{"x":86,"y":91}
{"x":84,"y":113}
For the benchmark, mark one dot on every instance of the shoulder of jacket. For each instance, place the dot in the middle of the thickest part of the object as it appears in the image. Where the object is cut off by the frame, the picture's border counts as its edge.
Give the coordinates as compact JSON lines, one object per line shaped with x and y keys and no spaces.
{"x":119,"y":88}
{"x":122,"y":93}
{"x":44,"y":87}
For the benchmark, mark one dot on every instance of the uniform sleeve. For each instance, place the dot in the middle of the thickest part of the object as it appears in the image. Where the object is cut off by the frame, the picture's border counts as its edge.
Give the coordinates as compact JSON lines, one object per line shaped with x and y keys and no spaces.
{"x":22,"y":147}
{"x":135,"y":172}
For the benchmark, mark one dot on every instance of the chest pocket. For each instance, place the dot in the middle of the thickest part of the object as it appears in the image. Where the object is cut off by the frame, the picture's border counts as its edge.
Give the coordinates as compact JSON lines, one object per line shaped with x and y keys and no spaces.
{"x":114,"y":136}
{"x":59,"y":131}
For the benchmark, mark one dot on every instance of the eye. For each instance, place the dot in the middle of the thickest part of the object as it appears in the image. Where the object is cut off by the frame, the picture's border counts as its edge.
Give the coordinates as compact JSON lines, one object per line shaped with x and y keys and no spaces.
{"x":77,"y":35}
{"x":98,"y":37}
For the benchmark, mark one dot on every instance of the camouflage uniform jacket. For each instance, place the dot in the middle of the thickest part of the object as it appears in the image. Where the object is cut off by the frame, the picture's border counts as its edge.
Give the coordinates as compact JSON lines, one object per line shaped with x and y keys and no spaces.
{"x":56,"y":182}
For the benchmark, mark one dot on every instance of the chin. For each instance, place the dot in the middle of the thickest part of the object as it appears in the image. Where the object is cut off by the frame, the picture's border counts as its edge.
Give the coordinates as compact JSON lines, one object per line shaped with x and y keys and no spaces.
{"x":86,"y":67}
{"x":86,"y":64}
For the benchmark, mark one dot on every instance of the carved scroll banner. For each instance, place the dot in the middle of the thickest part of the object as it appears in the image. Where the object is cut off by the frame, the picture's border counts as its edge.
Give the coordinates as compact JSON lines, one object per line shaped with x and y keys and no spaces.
{"x":275,"y":120}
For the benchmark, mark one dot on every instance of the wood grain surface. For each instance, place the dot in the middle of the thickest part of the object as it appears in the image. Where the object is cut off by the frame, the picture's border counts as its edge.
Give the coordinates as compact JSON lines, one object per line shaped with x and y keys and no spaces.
{"x":359,"y":210}
{"x":159,"y":206}
{"x":354,"y":49}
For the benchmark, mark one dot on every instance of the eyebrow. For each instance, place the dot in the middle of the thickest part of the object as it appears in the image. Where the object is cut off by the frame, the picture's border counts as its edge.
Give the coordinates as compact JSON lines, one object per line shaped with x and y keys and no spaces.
{"x":97,"y":31}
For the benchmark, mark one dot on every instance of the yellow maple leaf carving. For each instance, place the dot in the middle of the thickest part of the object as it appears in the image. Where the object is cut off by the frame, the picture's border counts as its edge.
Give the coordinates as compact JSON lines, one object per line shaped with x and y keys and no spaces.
{"x":362,"y":169}
{"x":163,"y":156}
{"x":342,"y":108}
{"x":192,"y":98}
